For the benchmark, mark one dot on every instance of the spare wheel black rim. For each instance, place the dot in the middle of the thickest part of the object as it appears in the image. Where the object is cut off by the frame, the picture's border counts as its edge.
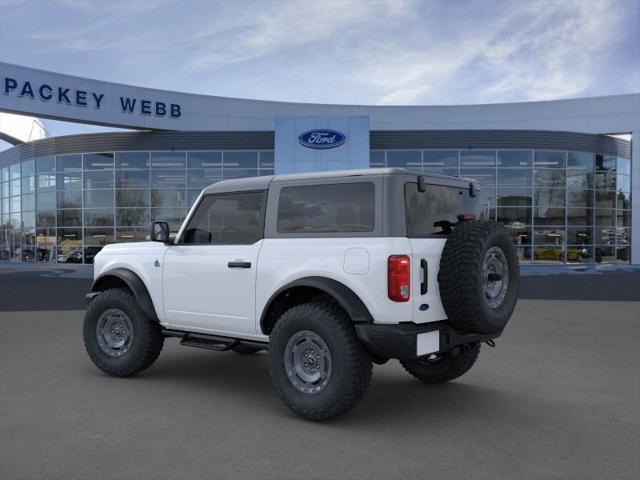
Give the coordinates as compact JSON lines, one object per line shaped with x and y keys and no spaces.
{"x":495,"y":277}
{"x":114,"y":332}
{"x":307,"y":362}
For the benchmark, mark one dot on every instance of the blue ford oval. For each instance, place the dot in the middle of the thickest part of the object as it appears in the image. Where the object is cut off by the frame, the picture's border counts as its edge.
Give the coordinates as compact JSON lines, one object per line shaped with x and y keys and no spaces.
{"x":322,"y":138}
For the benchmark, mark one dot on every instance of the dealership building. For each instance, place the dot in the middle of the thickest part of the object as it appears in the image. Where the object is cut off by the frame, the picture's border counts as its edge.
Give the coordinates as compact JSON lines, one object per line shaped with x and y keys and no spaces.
{"x":561,"y":176}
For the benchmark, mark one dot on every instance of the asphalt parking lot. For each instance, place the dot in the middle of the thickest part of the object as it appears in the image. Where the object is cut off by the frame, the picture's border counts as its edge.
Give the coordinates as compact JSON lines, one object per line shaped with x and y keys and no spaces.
{"x":559,"y":397}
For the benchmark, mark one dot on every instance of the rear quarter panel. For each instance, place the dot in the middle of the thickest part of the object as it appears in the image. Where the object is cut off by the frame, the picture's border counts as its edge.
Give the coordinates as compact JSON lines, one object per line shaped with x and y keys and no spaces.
{"x":359,"y":263}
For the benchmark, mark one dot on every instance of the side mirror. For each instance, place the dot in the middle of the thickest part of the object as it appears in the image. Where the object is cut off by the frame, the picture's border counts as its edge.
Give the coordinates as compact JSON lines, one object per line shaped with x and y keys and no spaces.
{"x":160,"y":232}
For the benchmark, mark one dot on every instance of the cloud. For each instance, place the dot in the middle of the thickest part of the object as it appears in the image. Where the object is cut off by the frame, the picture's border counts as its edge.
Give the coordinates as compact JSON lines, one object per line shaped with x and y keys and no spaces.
{"x":554,"y":54}
{"x":270,"y":30}
{"x":404,"y":95}
{"x":338,"y":51}
{"x":533,"y":51}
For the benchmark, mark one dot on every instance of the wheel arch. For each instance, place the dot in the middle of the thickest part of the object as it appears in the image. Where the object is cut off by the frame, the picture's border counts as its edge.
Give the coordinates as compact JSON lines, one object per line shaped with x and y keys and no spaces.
{"x":123,"y":277}
{"x":302,"y":289}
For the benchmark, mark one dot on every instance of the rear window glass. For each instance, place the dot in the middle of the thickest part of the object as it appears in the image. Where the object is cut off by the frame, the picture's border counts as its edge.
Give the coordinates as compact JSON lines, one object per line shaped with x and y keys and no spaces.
{"x":338,"y":208}
{"x":436,"y":210}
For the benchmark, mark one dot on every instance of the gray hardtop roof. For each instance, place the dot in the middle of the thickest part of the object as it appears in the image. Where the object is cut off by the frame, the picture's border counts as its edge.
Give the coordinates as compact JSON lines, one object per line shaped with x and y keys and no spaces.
{"x":262,"y":183}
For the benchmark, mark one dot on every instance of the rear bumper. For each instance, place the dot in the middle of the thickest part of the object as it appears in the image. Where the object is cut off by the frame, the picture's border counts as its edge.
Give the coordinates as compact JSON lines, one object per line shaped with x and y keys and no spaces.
{"x":409,"y":340}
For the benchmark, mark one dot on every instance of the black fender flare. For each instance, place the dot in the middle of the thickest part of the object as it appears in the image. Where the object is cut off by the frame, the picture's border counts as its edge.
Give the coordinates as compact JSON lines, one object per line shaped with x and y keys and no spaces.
{"x":346,"y":298}
{"x":135,"y":284}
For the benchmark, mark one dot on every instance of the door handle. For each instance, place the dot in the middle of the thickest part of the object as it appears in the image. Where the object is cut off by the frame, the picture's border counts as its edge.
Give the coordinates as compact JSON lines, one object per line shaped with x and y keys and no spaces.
{"x":239,"y":264}
{"x":425,"y":276}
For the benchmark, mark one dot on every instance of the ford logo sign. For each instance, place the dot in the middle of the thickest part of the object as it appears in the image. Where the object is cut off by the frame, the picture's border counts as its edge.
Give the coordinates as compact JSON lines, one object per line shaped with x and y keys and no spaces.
{"x":322,"y":138}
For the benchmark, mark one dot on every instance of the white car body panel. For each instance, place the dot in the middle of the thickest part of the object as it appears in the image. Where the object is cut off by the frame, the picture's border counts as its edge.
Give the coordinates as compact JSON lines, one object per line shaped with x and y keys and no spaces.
{"x":284,"y":260}
{"x":429,"y":249}
{"x":201,"y":292}
{"x":140,"y":258}
{"x":193,"y":289}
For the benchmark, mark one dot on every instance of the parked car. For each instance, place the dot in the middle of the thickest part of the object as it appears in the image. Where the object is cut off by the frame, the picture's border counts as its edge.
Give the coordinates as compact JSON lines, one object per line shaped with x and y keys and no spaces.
{"x":329,"y":272}
{"x":71,"y":256}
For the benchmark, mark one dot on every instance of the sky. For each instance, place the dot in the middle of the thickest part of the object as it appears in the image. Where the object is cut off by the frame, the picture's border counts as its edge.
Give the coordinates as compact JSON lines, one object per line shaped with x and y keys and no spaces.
{"x":387,"y":52}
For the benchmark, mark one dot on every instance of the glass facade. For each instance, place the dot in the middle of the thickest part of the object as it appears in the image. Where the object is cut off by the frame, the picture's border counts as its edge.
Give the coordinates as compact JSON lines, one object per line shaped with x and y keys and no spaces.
{"x":66,"y":208}
{"x":558,"y":206}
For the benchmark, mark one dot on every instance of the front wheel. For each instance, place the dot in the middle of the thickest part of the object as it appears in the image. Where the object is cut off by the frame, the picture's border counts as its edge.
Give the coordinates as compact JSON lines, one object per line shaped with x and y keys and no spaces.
{"x":120,"y":340}
{"x":442,"y":368}
{"x":318,"y":366}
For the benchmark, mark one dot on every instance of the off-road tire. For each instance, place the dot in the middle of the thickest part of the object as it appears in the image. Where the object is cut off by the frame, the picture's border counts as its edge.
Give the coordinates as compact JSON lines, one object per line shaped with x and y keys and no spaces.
{"x":351,"y":363}
{"x":147,"y":340}
{"x":461,"y":277}
{"x":447,"y":368}
{"x":246,"y":349}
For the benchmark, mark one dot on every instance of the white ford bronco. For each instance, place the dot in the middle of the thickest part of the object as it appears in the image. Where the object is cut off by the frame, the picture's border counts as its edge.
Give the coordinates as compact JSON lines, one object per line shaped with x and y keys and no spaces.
{"x":330,"y":272}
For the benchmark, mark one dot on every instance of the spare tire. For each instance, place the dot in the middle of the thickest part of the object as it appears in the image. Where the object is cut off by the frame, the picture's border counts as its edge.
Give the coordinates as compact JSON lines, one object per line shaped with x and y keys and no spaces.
{"x":479,"y":277}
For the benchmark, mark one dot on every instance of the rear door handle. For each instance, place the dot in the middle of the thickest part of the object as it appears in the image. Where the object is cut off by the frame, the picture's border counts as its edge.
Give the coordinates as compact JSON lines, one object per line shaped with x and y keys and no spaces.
{"x":425,"y":276}
{"x":239,"y":264}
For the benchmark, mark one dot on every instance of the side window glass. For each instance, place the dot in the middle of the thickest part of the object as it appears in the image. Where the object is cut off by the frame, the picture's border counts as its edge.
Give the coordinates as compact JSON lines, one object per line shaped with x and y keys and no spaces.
{"x":228,"y":219}
{"x":338,"y":208}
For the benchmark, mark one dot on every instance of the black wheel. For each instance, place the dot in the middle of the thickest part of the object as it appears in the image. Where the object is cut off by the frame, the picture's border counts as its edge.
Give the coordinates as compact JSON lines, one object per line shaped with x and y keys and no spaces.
{"x":246,"y":349}
{"x":118,"y":337}
{"x":479,"y":277}
{"x":318,"y":366}
{"x":442,"y":368}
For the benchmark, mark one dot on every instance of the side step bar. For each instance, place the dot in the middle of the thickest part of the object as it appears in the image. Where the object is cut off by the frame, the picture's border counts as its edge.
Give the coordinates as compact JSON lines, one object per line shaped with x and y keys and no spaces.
{"x":211,"y":342}
{"x":208,"y":341}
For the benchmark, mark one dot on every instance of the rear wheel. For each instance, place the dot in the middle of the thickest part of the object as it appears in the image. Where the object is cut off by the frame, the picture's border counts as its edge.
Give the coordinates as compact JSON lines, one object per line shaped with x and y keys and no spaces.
{"x":442,"y":368}
{"x":318,"y":366}
{"x":120,"y":340}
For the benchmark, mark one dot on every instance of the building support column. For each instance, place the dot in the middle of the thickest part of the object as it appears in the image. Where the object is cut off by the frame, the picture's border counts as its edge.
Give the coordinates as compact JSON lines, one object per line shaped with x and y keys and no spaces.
{"x":635,"y":197}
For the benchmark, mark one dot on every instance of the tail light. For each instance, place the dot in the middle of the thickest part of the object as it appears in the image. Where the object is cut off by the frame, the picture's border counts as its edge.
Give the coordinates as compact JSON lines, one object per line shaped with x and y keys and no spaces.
{"x":399,"y":279}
